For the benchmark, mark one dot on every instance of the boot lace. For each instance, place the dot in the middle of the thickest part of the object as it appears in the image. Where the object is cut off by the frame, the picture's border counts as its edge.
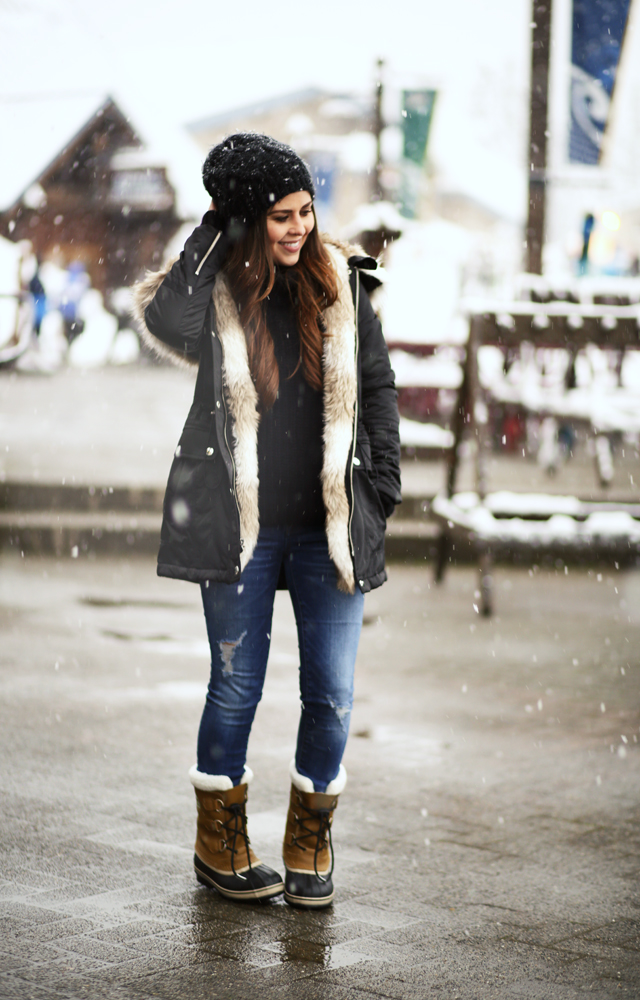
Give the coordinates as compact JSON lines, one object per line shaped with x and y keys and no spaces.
{"x":236,"y":827}
{"x":322,"y":836}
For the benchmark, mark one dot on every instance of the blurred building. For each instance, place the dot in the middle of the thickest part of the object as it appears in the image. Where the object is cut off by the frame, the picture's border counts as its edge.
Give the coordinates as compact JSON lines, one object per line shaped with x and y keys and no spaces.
{"x":84,"y":184}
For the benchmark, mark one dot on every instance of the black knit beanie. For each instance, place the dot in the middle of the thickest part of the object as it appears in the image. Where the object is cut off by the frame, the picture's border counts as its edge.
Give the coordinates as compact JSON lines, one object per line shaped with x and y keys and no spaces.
{"x":247,"y":173}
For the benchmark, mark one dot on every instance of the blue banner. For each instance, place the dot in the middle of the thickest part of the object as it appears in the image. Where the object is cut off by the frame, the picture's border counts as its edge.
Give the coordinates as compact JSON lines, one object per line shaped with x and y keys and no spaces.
{"x":598,"y":33}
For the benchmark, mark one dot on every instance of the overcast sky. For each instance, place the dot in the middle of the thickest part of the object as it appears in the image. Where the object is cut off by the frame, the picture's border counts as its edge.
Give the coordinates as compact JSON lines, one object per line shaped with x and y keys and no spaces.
{"x":200,"y":56}
{"x":185,"y":59}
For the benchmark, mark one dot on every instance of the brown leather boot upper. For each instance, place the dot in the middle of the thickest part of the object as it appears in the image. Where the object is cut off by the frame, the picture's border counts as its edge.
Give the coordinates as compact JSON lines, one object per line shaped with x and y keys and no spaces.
{"x":222,"y":841}
{"x":307,"y":838}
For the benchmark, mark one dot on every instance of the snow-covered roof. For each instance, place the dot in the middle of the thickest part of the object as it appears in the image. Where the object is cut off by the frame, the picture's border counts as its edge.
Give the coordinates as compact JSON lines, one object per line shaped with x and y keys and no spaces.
{"x":257,"y":108}
{"x":37,"y":129}
{"x":173,"y":147}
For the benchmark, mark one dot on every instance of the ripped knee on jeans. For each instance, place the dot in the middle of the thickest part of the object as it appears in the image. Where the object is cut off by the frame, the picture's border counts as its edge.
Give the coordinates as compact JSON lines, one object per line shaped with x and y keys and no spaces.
{"x":227,"y":651}
{"x":342,"y":712}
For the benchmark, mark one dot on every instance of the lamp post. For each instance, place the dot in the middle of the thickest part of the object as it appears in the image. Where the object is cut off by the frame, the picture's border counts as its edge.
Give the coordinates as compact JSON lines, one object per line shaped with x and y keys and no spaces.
{"x":377,"y":193}
{"x":538,"y":132}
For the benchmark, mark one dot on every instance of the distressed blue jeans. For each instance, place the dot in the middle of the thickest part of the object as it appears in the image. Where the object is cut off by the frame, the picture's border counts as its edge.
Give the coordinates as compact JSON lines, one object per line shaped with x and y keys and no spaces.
{"x":238,"y":618}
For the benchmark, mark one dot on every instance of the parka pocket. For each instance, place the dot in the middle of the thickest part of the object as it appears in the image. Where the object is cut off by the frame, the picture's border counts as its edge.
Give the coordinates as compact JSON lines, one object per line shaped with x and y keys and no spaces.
{"x":198,"y":439}
{"x":197,"y":462}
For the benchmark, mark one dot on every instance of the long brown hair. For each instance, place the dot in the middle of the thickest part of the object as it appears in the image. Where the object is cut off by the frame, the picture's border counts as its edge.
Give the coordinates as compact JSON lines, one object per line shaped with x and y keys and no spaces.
{"x":251,"y":273}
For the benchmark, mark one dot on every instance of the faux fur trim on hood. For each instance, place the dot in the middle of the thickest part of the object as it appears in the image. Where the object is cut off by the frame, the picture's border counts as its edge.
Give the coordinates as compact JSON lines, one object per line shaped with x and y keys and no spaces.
{"x":340,"y":393}
{"x":242,"y":400}
{"x":143,"y":295}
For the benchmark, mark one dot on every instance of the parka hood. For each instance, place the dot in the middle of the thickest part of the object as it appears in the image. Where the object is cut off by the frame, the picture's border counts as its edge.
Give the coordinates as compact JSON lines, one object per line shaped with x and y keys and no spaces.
{"x":145,"y":290}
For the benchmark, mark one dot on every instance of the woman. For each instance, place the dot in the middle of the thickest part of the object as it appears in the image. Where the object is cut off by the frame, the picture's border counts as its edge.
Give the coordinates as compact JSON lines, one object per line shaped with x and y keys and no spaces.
{"x":286,"y":470}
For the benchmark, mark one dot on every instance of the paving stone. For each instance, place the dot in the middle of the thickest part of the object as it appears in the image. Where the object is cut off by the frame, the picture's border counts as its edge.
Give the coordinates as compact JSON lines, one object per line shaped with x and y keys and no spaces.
{"x":132,"y":932}
{"x":525,"y":890}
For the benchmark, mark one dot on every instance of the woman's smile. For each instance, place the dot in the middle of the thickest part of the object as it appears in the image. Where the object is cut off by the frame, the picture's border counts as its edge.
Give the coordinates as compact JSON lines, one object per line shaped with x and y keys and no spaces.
{"x":291,"y":246}
{"x":289,"y":223}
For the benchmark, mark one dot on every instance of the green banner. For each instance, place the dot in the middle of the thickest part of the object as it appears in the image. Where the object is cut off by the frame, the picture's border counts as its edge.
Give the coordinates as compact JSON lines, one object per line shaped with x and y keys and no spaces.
{"x":417,"y":111}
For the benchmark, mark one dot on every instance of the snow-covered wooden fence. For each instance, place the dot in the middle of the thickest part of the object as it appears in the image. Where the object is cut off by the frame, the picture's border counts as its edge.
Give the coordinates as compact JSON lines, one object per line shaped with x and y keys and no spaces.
{"x":538,"y":522}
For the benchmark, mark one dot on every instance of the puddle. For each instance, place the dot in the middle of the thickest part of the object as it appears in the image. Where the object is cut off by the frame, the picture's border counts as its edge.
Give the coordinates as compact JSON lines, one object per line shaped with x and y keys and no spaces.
{"x":125,"y":602}
{"x":131,"y":637}
{"x":325,"y":956}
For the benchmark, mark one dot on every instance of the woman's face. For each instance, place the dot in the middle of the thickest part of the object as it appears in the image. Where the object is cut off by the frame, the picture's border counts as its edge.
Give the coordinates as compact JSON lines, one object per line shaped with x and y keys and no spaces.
{"x":289,"y":223}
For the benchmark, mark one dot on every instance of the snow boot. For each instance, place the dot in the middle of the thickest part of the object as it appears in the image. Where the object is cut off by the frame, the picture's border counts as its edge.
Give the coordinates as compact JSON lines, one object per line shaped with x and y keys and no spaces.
{"x":223,"y":856}
{"x":307,"y":850}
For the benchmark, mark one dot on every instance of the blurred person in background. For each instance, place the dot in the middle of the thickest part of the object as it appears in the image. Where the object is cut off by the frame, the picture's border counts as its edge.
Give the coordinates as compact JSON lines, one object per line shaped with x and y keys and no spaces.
{"x":36,"y":288}
{"x":286,"y":471}
{"x":76,"y":284}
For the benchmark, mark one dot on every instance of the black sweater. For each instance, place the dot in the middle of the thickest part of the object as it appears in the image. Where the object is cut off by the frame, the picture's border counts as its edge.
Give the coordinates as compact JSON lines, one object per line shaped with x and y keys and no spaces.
{"x":290,"y":432}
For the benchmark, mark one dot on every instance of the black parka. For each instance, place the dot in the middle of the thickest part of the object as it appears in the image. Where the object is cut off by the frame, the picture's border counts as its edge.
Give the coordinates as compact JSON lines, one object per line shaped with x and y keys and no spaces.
{"x":208,"y":514}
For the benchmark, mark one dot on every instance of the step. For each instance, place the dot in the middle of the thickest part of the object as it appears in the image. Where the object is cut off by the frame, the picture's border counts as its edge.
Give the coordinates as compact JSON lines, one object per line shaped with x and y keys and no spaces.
{"x":24,"y":496}
{"x":86,"y":521}
{"x":74,"y":533}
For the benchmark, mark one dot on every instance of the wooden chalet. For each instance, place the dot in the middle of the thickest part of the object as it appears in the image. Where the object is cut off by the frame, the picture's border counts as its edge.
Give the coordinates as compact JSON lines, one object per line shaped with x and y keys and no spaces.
{"x":100,"y":197}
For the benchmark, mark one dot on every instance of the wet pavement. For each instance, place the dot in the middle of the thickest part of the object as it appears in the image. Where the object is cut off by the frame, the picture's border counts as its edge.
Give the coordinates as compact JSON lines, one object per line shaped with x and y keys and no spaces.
{"x":487,"y":844}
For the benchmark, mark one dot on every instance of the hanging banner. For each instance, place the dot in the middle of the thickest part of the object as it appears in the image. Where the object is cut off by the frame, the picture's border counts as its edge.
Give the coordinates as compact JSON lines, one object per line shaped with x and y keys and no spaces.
{"x":598,"y":33}
{"x":417,"y":111}
{"x":324,"y":167}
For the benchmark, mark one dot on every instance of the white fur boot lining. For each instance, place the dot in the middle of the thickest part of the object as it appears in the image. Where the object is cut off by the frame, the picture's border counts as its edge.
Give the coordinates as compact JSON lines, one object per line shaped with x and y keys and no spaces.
{"x":304,"y":784}
{"x":216,"y":782}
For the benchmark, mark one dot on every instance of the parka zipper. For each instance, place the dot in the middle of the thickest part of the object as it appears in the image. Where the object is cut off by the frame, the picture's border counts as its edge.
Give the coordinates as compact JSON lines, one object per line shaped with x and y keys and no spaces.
{"x":199,"y":267}
{"x":355,"y":424}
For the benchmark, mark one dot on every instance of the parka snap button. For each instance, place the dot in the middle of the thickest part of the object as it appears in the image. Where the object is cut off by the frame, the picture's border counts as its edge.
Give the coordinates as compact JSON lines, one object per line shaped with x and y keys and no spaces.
{"x":237,"y":569}
{"x":209,"y":451}
{"x":361,"y":582}
{"x":218,"y":403}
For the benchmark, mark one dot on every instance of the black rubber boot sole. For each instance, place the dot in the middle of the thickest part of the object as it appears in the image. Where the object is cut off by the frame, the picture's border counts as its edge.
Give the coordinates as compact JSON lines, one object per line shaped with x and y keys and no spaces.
{"x":307,"y":891}
{"x":258,"y":883}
